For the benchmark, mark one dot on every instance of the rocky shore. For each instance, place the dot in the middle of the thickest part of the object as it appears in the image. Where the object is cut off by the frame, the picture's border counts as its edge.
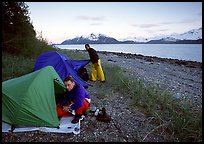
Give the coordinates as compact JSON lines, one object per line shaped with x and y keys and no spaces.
{"x":193,"y":64}
{"x":182,"y":78}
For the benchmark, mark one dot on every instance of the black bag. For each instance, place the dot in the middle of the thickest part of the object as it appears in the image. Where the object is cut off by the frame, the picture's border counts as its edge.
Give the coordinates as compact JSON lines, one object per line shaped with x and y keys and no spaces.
{"x":82,"y":73}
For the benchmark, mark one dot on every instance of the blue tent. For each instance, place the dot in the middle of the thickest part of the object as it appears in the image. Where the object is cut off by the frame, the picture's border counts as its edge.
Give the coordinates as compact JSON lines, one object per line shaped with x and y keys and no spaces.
{"x":62,"y":65}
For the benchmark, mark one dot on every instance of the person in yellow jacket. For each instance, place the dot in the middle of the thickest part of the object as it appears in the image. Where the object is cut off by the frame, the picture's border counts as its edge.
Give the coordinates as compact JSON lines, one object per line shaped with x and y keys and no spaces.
{"x":96,"y":64}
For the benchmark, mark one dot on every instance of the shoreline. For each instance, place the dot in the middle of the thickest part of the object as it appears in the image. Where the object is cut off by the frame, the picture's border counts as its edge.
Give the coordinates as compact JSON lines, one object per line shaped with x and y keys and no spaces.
{"x":187,"y":63}
{"x":181,"y":78}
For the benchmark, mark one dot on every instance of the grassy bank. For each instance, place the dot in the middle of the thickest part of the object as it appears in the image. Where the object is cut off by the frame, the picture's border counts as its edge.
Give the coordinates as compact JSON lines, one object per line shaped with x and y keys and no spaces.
{"x":181,"y":121}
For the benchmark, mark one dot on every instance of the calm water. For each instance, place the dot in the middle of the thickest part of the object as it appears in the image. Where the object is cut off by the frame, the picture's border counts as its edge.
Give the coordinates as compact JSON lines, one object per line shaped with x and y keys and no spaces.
{"x":192,"y":52}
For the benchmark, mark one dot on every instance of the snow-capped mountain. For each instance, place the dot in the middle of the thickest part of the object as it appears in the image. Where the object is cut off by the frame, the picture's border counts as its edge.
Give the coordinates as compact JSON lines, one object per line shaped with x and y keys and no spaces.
{"x":135,"y":39}
{"x":170,"y":39}
{"x":92,"y":36}
{"x":92,"y":39}
{"x":192,"y":36}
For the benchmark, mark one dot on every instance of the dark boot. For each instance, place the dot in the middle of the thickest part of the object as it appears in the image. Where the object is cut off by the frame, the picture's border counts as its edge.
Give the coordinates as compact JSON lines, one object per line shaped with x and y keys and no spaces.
{"x":76,"y":119}
{"x":103,"y":116}
{"x":103,"y":111}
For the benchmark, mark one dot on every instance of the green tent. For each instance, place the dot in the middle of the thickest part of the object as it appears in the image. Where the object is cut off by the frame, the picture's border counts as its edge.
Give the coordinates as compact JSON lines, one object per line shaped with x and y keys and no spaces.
{"x":30,"y":100}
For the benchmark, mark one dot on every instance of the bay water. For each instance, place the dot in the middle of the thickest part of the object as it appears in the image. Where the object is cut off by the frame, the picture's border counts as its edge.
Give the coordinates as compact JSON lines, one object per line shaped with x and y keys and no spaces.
{"x":190,"y":52}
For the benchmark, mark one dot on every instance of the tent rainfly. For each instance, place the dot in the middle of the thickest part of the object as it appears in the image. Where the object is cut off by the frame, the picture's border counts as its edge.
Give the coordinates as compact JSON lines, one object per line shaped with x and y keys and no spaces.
{"x":30,"y":100}
{"x":62,"y":65}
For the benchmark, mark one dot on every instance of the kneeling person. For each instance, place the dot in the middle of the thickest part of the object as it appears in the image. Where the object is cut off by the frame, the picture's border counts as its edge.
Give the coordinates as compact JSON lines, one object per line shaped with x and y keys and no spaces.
{"x":78,"y":98}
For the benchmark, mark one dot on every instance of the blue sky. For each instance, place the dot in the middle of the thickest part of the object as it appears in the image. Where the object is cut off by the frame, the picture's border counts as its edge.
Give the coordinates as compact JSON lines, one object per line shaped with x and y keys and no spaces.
{"x":58,"y":21}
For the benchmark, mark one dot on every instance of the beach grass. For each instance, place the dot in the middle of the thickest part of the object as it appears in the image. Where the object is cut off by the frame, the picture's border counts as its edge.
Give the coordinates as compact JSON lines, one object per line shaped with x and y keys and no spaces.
{"x":74,"y":54}
{"x":181,"y":120}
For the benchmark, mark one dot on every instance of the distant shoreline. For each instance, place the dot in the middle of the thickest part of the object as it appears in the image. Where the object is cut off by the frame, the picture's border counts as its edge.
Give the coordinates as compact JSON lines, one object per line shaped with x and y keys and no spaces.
{"x":180,"y":52}
{"x":193,"y":64}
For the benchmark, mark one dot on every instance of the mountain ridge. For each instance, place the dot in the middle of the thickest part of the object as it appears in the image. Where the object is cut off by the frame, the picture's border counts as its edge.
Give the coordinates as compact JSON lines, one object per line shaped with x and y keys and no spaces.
{"x":193,"y":36}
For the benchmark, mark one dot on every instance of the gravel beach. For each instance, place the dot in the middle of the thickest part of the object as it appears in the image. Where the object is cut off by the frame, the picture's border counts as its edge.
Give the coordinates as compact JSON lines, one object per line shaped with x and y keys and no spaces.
{"x":182,"y":78}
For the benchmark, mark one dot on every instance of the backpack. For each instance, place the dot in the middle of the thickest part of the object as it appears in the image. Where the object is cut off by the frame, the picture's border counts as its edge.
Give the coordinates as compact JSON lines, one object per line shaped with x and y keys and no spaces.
{"x":82,"y":73}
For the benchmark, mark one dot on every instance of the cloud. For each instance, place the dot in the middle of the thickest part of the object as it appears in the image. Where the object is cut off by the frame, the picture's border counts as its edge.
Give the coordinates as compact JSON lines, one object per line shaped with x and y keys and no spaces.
{"x":95,"y":24}
{"x":155,"y":31}
{"x":167,"y":23}
{"x":162,"y":30}
{"x":99,"y":18}
{"x":145,"y":25}
{"x":187,"y":21}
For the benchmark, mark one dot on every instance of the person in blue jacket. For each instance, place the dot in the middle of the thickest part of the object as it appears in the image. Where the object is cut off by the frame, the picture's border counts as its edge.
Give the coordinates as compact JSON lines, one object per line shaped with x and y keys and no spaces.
{"x":77,"y":99}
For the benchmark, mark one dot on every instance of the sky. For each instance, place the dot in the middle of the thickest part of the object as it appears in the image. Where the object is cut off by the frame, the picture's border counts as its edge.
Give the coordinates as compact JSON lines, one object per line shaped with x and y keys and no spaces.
{"x":59,"y":21}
